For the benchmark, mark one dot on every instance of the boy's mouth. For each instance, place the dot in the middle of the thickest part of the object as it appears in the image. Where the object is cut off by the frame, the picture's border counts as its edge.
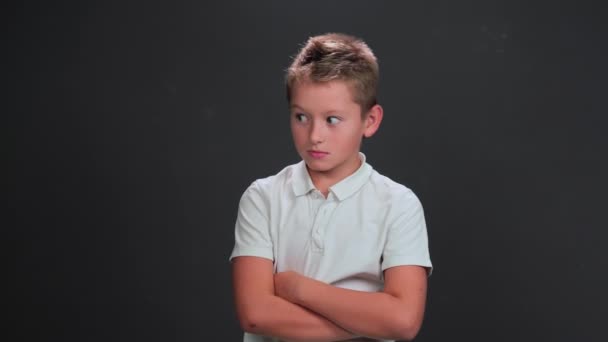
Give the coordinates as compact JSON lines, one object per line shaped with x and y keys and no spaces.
{"x":317,"y":154}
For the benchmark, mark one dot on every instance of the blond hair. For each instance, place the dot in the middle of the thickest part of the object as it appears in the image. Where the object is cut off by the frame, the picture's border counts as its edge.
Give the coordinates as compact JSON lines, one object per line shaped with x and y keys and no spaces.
{"x":336,"y":56}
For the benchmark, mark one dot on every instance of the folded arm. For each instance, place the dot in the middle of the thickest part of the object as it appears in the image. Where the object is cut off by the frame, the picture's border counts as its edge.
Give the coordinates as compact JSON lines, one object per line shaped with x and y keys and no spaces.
{"x":395,"y":313}
{"x":261,"y":312}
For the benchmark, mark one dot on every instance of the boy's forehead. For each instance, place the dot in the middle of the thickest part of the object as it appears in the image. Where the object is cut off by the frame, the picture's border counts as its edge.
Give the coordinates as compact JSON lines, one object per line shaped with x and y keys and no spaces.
{"x":336,"y":93}
{"x":308,"y":83}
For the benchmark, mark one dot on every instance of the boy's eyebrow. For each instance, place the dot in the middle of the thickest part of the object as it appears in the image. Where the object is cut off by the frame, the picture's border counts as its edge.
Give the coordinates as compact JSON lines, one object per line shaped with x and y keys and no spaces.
{"x":295,"y":106}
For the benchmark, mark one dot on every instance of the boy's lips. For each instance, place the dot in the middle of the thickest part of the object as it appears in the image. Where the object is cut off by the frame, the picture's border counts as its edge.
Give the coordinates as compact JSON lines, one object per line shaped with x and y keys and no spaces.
{"x":317,"y":154}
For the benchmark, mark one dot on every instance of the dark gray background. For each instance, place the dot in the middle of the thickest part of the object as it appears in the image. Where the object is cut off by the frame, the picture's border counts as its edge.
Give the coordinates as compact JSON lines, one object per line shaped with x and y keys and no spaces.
{"x":137,"y":126}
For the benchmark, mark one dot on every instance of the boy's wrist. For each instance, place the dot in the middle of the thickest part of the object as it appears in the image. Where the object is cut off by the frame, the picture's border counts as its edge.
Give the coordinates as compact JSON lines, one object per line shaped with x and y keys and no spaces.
{"x":306,"y":289}
{"x":301,"y":290}
{"x":291,"y":286}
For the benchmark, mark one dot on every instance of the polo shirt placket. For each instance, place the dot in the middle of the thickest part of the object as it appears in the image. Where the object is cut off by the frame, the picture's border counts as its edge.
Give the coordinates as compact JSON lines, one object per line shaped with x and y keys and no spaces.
{"x":321,"y":221}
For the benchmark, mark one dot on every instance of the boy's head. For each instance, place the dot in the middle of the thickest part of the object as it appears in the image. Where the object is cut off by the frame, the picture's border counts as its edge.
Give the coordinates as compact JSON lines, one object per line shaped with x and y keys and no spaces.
{"x":332,"y":57}
{"x":331,"y":89}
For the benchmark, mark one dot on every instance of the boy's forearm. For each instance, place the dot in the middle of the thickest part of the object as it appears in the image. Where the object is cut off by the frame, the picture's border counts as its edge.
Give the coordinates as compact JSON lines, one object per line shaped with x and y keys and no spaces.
{"x":279,"y":318}
{"x":371,"y":314}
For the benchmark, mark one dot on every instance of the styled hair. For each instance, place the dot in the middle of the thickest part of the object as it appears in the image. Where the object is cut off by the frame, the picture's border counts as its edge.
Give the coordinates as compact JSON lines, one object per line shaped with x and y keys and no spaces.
{"x":336,"y":56}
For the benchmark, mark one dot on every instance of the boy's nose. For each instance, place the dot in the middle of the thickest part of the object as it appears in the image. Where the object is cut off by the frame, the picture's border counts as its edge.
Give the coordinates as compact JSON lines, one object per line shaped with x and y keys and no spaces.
{"x":316,"y":133}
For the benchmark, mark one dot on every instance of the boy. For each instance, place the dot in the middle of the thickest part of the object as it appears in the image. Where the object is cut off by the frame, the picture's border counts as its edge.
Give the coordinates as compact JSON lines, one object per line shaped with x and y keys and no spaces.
{"x":328,"y":249}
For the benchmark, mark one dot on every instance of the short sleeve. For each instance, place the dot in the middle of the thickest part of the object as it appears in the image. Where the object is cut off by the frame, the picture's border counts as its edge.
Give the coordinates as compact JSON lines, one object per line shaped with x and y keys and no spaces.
{"x":407,"y":240}
{"x":252,"y":231}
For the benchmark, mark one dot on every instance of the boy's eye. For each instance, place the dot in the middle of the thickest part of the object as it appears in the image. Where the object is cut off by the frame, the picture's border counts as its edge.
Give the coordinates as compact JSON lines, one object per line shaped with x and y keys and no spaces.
{"x":301,"y":117}
{"x":333,"y":120}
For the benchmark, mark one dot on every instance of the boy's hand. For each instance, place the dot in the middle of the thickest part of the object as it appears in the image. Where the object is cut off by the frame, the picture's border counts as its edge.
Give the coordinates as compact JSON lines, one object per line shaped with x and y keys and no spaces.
{"x":287,"y":285}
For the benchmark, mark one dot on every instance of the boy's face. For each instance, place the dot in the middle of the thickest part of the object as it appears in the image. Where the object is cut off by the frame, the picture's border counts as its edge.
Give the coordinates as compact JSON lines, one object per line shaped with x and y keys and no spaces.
{"x":327,"y":127}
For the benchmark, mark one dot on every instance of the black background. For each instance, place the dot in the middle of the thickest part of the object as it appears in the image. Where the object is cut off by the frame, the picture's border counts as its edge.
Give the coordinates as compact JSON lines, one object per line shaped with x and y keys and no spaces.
{"x":137,"y":126}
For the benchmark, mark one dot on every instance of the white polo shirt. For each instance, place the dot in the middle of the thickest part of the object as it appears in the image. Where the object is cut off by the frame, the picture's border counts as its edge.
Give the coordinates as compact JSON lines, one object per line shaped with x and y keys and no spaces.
{"x":368,"y":223}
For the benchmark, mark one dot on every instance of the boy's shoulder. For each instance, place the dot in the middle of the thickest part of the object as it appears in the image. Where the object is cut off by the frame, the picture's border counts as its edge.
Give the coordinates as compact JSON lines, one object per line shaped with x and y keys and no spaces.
{"x":276,"y":181}
{"x":387,"y":187}
{"x":393,"y":199}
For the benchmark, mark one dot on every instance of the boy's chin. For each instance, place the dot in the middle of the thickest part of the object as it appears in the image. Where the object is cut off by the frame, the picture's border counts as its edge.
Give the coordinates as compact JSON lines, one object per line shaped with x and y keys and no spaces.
{"x":317,"y":166}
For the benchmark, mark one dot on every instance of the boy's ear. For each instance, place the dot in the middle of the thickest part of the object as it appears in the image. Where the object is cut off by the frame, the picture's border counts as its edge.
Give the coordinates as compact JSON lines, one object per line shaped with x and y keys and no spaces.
{"x":372,"y":120}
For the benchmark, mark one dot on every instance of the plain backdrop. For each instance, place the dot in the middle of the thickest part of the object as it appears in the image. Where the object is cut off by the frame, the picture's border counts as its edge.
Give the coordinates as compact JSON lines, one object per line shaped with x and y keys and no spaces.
{"x":134,"y":127}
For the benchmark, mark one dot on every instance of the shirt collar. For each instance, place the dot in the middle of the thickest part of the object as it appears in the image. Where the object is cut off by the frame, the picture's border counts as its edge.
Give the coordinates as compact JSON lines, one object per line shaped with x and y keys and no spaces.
{"x":302,"y":184}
